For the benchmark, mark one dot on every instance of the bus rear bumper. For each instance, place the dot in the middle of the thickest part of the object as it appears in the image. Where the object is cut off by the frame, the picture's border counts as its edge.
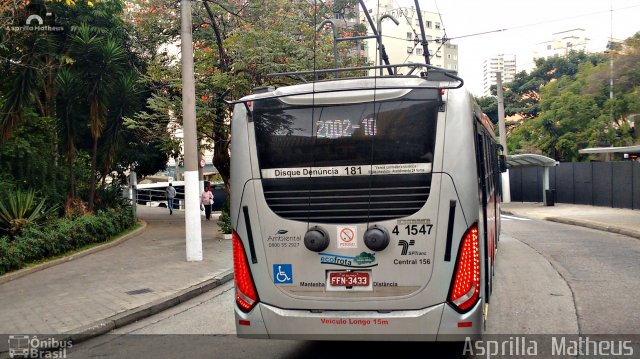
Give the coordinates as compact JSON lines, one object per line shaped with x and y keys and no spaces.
{"x":436,"y":323}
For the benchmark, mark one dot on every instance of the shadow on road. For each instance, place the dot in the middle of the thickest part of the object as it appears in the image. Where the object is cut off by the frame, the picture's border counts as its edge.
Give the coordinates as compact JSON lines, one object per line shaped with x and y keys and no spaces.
{"x":329,"y":349}
{"x":229,"y":347}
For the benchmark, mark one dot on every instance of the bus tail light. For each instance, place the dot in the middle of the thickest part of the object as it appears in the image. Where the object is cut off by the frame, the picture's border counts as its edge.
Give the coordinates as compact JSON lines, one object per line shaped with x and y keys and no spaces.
{"x":465,"y":288}
{"x":246,"y":294}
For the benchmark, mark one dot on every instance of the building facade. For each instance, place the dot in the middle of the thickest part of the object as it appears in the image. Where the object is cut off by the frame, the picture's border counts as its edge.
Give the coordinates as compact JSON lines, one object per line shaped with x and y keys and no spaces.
{"x":504,"y":63}
{"x":402,"y":42}
{"x":562,"y":43}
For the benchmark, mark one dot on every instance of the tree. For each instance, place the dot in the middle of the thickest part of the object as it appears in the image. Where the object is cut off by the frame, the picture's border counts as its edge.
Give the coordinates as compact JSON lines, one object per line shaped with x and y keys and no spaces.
{"x":489,"y":106}
{"x":100,"y":61}
{"x":574,"y":110}
{"x":522,"y":95}
{"x":85,"y":73}
{"x":236,"y":46}
{"x":68,"y":83}
{"x":625,"y":74}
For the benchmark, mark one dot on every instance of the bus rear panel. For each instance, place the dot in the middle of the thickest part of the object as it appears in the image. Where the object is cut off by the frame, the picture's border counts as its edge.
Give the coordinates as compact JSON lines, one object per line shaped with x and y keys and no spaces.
{"x":357,"y":215}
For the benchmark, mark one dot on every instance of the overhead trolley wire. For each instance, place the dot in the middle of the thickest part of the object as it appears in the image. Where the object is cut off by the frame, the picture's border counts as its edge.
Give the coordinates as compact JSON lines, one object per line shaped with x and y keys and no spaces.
{"x":543,"y":22}
{"x":415,"y":34}
{"x":444,"y":31}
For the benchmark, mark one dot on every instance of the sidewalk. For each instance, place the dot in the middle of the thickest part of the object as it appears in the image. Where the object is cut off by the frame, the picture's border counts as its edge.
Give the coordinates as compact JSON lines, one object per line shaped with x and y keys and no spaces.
{"x":615,"y":220}
{"x":113,"y":287}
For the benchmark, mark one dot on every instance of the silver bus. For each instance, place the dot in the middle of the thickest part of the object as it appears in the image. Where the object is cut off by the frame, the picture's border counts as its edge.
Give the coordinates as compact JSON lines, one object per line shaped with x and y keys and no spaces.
{"x":364,"y":208}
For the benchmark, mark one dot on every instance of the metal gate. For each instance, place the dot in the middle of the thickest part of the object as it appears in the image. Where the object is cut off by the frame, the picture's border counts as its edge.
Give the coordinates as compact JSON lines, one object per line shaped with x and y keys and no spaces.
{"x":609,"y":184}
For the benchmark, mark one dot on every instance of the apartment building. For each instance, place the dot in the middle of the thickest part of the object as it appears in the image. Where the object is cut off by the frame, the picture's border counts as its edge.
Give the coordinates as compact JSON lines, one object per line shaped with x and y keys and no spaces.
{"x":402,"y":41}
{"x":562,"y":43}
{"x":504,"y":63}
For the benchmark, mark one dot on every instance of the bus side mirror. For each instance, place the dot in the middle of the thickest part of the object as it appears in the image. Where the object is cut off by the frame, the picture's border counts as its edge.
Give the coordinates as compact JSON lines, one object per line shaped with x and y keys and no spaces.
{"x":502,"y":163}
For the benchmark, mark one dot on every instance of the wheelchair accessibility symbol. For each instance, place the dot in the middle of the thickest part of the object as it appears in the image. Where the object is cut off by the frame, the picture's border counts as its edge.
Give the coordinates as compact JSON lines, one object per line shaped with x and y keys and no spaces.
{"x":282,"y":274}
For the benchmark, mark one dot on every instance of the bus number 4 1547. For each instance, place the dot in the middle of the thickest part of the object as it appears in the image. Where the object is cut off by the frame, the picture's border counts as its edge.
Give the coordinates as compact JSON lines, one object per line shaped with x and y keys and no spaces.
{"x":413,"y":229}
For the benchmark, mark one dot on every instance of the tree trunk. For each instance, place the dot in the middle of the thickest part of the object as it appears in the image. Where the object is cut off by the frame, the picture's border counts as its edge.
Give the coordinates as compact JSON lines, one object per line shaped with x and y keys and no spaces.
{"x":221,"y":159}
{"x":221,"y":131}
{"x":92,"y":175}
{"x":71,"y":195}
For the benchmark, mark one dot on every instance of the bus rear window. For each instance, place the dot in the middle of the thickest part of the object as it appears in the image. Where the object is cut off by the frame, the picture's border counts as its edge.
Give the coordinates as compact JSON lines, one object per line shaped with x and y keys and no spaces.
{"x":382,"y":133}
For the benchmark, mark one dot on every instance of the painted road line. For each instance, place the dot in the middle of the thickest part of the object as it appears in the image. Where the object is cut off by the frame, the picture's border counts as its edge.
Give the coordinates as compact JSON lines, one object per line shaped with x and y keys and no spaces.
{"x":506,"y":218}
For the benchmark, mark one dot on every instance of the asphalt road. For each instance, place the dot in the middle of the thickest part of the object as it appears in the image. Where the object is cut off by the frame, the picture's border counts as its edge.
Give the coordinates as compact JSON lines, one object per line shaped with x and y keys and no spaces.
{"x":551,"y":279}
{"x":602,"y":270}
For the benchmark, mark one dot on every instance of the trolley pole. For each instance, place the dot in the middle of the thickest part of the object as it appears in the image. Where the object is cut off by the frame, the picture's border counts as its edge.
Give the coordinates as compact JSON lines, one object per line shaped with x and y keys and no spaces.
{"x":506,"y":188}
{"x":192,"y":220}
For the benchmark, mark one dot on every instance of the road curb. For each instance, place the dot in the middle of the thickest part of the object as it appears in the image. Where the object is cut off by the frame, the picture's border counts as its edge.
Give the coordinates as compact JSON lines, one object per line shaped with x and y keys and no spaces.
{"x":23,"y":272}
{"x":132,"y":315}
{"x":595,"y":225}
{"x":583,"y":223}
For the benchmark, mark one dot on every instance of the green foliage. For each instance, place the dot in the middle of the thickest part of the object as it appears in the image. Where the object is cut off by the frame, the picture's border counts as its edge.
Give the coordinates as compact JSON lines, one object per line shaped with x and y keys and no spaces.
{"x":110,"y":196}
{"x":522,"y":96}
{"x":19,"y":209}
{"x":28,"y":159}
{"x":65,"y":93}
{"x":563,"y":105}
{"x":62,"y":236}
{"x":489,"y":105}
{"x":224,"y":222}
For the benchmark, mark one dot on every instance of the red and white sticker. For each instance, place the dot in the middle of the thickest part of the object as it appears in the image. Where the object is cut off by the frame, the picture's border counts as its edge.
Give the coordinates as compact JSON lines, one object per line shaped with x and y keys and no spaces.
{"x":347,"y":237}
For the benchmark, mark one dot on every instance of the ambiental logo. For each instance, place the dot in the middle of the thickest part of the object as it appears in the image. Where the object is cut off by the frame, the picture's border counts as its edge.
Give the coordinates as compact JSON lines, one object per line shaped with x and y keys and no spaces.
{"x":282,"y":236}
{"x":405,"y":246}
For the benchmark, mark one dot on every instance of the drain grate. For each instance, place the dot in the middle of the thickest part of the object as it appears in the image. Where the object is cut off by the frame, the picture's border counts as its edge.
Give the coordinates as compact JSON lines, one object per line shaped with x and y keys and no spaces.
{"x":139,"y":291}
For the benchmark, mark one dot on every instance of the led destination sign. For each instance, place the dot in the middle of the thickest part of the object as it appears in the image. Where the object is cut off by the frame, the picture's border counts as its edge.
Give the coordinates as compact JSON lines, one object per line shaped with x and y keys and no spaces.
{"x":396,"y":137}
{"x":344,"y":128}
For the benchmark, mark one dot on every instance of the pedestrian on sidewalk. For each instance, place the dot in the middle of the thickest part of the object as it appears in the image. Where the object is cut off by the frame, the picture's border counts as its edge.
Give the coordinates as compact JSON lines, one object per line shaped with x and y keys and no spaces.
{"x":206,"y":199}
{"x":171,"y":194}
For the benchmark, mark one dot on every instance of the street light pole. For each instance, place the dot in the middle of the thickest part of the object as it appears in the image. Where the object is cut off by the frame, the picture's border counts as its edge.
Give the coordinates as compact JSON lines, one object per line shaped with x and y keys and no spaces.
{"x":611,"y":79}
{"x":611,"y":63}
{"x":192,"y":219}
{"x":506,"y":187}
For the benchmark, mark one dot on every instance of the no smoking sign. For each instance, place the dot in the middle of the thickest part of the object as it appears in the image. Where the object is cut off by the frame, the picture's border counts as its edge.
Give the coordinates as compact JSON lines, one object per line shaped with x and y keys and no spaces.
{"x":347,"y":237}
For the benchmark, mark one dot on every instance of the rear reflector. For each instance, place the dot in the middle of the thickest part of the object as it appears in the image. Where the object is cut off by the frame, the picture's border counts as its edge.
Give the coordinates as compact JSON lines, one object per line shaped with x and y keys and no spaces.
{"x":465,"y":289}
{"x":465,"y":324}
{"x":246,"y":294}
{"x":244,"y":322}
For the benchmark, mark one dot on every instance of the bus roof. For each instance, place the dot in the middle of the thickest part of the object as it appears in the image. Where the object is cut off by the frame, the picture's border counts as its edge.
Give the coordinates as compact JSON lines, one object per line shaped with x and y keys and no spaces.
{"x":433,"y":77}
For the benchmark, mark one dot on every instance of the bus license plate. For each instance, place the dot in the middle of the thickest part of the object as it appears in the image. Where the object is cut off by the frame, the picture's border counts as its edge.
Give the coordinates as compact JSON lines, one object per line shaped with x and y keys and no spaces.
{"x":343,"y":280}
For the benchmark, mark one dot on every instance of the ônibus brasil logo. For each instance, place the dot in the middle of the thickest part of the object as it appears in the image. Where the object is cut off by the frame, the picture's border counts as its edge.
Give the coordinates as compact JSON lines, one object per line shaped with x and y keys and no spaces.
{"x":24,"y":346}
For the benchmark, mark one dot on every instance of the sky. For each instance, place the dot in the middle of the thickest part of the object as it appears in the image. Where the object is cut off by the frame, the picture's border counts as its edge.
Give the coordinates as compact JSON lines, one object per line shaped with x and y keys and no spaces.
{"x":527,"y":23}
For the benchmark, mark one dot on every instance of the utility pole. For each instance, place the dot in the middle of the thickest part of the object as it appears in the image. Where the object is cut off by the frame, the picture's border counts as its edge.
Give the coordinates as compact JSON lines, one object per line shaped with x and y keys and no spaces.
{"x":506,"y":188}
{"x":611,"y":83}
{"x":192,"y":219}
{"x":201,"y":164}
{"x":611,"y":65}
